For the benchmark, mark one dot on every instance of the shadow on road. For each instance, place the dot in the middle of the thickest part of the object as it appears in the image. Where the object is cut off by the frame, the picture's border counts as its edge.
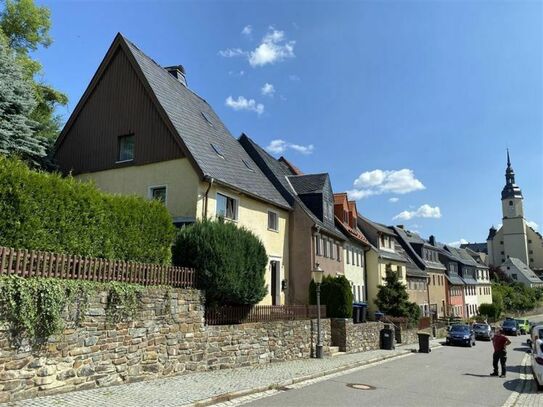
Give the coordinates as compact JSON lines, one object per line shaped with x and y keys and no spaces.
{"x":512,"y":385}
{"x":476,"y":375}
{"x":523,"y":349}
{"x":515,"y":369}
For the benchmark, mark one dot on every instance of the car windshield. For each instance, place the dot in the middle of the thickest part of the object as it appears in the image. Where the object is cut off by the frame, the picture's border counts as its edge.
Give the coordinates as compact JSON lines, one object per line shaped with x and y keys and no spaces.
{"x":509,"y":322}
{"x":480,"y":326}
{"x":520,"y":321}
{"x":459,"y":328}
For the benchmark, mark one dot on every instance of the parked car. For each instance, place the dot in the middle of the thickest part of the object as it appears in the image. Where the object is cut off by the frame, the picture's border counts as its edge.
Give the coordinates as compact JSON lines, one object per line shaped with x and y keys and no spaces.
{"x":537,"y":355}
{"x":524,"y":326}
{"x":510,"y":327}
{"x":483,"y":331}
{"x":460,"y":334}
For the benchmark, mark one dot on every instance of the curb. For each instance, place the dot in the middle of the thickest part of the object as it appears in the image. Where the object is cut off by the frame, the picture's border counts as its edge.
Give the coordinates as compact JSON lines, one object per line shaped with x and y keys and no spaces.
{"x":274,"y":386}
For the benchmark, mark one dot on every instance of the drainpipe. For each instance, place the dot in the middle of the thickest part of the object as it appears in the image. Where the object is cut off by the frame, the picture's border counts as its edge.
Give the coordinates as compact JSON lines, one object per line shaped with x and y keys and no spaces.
{"x":366,"y":250}
{"x":210,"y":180}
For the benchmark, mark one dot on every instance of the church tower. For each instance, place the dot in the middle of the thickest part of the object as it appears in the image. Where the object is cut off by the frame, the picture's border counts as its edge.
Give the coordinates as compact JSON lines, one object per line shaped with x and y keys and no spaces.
{"x":515,"y":241}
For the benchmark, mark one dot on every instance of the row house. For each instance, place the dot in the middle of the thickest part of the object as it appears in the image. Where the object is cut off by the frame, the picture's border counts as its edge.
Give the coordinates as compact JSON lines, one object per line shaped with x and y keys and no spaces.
{"x":425,"y":255}
{"x":384,"y":259}
{"x":313,"y":235}
{"x":139,"y":129}
{"x":467,"y":269}
{"x":482,"y":275}
{"x":455,"y":286}
{"x":355,"y":246}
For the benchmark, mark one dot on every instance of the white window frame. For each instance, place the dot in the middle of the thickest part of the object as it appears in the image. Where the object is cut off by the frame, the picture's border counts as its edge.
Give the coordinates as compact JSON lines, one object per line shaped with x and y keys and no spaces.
{"x":153,"y":187}
{"x":276,"y":220}
{"x":228,"y":196}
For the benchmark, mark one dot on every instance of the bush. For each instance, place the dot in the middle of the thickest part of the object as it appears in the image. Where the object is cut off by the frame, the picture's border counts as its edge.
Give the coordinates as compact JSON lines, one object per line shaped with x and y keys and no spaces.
{"x":230,"y":262}
{"x":44,"y":211}
{"x":492,"y":311}
{"x":336,"y":294}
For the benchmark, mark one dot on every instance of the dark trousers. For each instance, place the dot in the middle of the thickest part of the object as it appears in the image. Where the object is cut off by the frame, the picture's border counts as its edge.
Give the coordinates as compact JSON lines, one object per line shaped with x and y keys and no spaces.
{"x":500,"y":356}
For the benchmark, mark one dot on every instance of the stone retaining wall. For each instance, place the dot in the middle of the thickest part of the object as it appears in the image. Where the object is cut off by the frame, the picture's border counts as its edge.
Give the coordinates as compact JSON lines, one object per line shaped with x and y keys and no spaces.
{"x":352,"y":338}
{"x":167,"y":337}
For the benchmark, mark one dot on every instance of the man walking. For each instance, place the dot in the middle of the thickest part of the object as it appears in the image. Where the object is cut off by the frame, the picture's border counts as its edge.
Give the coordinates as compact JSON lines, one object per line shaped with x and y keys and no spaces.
{"x":500,"y":342}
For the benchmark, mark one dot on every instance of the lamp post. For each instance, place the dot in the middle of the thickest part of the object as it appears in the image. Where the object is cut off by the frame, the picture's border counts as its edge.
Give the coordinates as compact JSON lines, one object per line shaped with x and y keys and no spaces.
{"x":317,"y":274}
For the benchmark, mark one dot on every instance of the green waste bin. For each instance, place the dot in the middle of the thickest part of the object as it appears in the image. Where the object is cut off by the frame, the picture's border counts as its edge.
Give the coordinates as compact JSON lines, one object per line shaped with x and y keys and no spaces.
{"x":424,"y":342}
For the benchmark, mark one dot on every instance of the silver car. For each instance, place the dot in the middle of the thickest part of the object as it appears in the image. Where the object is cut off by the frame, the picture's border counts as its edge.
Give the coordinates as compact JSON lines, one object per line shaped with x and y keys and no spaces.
{"x":483,"y":331}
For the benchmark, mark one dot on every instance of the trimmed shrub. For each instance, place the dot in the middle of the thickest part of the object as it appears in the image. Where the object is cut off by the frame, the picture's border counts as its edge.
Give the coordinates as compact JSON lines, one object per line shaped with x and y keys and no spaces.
{"x":44,"y":211}
{"x":336,"y":294}
{"x":230,"y":261}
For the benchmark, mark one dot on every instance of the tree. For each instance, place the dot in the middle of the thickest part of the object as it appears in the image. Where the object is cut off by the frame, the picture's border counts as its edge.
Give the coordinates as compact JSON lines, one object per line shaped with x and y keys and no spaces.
{"x":24,"y":27}
{"x":230,"y":261}
{"x":17,"y":129}
{"x":393,"y":300}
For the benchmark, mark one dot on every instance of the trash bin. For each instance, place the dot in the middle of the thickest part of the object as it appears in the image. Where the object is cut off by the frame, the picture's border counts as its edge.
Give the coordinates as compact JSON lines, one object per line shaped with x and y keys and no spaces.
{"x":386,"y":338}
{"x":424,"y":342}
{"x":356,"y":314}
{"x":378,"y":315}
{"x":363,"y":312}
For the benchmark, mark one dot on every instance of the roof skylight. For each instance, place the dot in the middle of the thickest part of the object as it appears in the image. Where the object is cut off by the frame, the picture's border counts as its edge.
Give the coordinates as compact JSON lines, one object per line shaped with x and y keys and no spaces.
{"x":247,"y":165}
{"x":217,"y":149}
{"x":207,"y":119}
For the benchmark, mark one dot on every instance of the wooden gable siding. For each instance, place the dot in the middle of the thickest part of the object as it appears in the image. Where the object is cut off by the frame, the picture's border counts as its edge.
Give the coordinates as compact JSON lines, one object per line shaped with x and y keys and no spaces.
{"x":118,"y":105}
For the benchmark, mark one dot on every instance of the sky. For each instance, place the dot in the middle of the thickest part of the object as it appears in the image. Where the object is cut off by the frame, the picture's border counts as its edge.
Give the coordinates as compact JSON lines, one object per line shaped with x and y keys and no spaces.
{"x":408,"y":105}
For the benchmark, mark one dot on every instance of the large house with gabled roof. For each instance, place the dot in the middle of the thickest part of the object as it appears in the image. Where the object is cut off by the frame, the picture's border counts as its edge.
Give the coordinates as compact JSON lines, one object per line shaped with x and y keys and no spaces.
{"x":139,"y":129}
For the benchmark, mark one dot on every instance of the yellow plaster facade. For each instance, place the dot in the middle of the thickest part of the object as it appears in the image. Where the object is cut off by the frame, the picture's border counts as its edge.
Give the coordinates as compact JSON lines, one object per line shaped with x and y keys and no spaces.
{"x":376,"y":273}
{"x":185,"y":200}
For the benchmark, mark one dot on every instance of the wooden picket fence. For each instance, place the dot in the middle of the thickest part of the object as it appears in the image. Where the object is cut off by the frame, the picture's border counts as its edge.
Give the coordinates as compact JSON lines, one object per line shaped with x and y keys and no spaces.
{"x":33,"y":263}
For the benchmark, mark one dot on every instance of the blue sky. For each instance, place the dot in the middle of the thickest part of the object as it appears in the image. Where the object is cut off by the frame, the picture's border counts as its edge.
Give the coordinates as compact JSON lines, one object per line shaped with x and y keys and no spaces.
{"x":409,"y":105}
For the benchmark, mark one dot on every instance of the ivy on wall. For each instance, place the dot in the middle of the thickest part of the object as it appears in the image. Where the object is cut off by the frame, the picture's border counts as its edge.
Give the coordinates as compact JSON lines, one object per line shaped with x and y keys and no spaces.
{"x":37,"y":308}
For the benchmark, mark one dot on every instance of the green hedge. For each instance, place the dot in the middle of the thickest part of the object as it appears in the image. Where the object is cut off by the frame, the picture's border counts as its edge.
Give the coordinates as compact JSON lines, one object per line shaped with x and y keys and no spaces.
{"x":230,"y":262}
{"x":336,"y":294}
{"x":45,"y":211}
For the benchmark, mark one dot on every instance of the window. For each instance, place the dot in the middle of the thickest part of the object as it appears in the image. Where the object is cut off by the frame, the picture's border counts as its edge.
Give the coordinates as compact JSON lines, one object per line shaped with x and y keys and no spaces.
{"x":247,"y":165}
{"x":433,"y":280}
{"x":347,"y":256}
{"x":227,"y":207}
{"x":332,"y":250}
{"x":514,"y":276}
{"x":502,"y":253}
{"x":529,"y":241}
{"x":126,"y":148}
{"x":325,"y":245}
{"x":357,"y":259}
{"x":273,"y":221}
{"x":338,"y":247}
{"x":382,"y":241}
{"x":352,"y":257}
{"x":217,"y":150}
{"x":510,"y":203}
{"x":158,"y":193}
{"x":318,"y":246}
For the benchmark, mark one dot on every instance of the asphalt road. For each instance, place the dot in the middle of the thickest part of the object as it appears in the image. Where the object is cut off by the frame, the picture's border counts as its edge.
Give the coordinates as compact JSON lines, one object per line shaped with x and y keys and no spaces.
{"x":448,"y":376}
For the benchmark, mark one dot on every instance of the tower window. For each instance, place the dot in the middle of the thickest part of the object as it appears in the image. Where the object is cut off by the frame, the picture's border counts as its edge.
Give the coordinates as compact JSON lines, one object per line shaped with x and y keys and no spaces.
{"x":510,"y":203}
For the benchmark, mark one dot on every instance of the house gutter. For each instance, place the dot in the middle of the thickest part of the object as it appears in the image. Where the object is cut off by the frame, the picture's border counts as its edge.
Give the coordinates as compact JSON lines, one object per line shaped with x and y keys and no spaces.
{"x":210,"y":180}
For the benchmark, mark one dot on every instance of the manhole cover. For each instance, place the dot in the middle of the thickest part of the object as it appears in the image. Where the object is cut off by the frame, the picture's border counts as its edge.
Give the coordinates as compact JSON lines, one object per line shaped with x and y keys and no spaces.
{"x":360,"y":386}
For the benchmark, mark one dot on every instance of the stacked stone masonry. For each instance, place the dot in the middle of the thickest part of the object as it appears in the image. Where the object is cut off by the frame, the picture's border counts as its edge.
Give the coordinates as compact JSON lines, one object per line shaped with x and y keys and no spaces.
{"x":168,"y":337}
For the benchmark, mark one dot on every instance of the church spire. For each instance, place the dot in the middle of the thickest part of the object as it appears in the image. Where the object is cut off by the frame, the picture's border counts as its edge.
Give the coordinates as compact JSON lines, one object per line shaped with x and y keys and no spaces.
{"x":510,"y":190}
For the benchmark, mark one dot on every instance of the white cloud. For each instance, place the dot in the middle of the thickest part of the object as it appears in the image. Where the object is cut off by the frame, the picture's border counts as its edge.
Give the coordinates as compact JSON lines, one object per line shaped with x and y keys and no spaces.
{"x":294,"y":78}
{"x":378,"y":182}
{"x":236,"y":73}
{"x":241,"y":103}
{"x":247,"y":30}
{"x":394,"y":199}
{"x":458,"y":243}
{"x":424,"y":211}
{"x":267,"y":89}
{"x":273,"y":48}
{"x":358,"y":194}
{"x":280,"y":146}
{"x":232,"y":52}
{"x":533,"y":225}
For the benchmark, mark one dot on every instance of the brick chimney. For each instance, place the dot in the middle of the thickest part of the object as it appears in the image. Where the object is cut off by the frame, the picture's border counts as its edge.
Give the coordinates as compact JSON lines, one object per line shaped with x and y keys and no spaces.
{"x":178,"y":72}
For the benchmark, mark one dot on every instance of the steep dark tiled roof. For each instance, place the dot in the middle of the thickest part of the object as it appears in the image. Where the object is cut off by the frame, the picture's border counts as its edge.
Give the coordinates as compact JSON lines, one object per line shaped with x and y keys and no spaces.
{"x":476,"y":247}
{"x":199,"y":127}
{"x":407,"y":239}
{"x":280,"y":174}
{"x":377,"y":226}
{"x":308,"y":184}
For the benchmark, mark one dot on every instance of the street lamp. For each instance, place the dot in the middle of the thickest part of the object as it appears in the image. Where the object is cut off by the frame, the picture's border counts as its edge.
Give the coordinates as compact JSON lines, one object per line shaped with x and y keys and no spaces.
{"x":316,"y":275}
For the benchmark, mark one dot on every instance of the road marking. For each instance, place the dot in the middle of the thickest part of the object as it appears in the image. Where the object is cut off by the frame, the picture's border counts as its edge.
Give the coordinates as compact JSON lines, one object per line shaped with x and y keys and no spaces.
{"x":525,"y":378}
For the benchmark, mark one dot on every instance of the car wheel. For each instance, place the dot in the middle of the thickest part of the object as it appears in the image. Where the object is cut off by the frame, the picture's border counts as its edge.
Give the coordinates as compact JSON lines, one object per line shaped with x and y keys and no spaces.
{"x":539,"y":386}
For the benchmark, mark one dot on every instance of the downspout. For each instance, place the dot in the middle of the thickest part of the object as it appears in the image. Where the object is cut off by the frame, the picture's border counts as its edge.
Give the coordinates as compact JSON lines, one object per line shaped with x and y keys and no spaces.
{"x":366,"y":250}
{"x":210,"y":180}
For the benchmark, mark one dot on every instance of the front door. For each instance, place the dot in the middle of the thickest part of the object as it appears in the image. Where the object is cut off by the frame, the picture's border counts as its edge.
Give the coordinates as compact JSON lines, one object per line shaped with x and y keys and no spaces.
{"x":275,"y":283}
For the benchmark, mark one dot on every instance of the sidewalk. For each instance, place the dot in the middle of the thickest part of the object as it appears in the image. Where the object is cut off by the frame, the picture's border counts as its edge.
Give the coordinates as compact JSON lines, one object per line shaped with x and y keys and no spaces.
{"x":216,"y":386}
